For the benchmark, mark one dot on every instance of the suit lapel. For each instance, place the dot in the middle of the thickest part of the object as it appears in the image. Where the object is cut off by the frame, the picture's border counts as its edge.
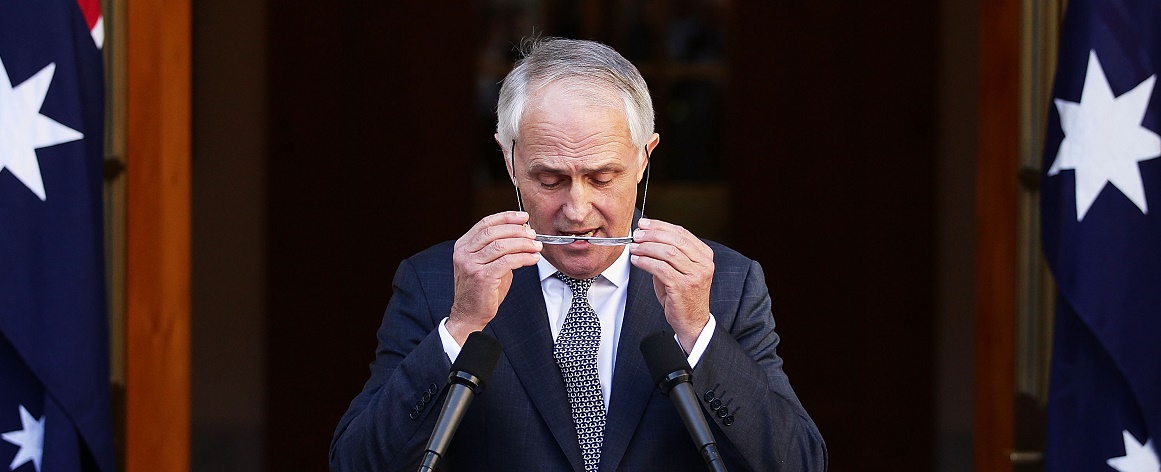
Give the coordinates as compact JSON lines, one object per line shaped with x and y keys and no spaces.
{"x":521,"y":326}
{"x":632,"y":385}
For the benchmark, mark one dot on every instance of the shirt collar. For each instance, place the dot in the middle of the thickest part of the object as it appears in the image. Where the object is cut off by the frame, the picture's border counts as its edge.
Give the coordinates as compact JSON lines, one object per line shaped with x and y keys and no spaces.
{"x":617,"y":273}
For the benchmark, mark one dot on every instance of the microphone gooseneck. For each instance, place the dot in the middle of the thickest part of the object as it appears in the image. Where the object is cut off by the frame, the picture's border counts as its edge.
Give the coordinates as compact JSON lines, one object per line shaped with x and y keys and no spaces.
{"x":672,"y":374}
{"x":471,"y":371}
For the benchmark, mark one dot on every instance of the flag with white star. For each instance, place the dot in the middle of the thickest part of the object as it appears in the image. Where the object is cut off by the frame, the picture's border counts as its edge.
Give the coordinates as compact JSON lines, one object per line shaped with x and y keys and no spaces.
{"x":54,"y":356}
{"x":1101,"y":212}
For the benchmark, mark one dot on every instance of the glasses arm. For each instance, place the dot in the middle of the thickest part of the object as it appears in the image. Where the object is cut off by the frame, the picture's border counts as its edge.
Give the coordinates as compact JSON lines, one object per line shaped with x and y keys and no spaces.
{"x":645,"y":193}
{"x":512,"y":169}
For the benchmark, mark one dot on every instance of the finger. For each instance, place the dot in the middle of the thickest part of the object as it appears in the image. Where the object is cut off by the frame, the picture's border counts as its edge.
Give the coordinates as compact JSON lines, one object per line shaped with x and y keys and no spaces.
{"x":655,"y":230}
{"x":677,"y":236}
{"x":661,"y":270}
{"x":509,"y":224}
{"x":673,"y":234}
{"x":475,"y":242}
{"x":501,"y":218}
{"x":501,"y":247}
{"x":507,"y":263}
{"x":666,"y":253}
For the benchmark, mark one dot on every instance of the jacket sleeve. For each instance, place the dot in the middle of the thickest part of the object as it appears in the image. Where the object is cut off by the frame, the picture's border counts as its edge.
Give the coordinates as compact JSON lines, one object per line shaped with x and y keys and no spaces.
{"x":388,"y":424}
{"x":745,"y":394}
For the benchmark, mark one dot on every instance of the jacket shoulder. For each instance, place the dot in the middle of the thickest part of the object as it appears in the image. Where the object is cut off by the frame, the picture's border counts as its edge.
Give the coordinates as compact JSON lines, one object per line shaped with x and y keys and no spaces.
{"x":724,"y":256}
{"x":433,"y":260}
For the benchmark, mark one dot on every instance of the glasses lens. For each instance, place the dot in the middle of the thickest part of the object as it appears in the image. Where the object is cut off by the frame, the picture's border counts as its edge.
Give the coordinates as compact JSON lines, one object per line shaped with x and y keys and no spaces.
{"x":551,"y":239}
{"x":611,"y":241}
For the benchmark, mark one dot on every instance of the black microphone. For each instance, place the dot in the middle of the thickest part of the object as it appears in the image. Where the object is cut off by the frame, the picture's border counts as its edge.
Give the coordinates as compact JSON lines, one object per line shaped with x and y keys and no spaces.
{"x":470,"y":372}
{"x":669,"y":369}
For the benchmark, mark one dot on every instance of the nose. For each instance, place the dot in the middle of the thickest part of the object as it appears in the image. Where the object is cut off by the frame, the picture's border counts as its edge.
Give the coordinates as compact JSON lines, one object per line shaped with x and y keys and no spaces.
{"x":577,"y":204}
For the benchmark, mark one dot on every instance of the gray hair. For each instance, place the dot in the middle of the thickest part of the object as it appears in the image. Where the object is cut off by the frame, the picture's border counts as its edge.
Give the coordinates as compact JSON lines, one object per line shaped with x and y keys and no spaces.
{"x":585,"y":63}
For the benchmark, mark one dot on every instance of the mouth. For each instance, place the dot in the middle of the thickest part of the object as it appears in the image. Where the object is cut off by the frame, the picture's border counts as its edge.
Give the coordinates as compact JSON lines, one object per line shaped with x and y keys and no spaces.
{"x":580,"y":244}
{"x":586,"y":234}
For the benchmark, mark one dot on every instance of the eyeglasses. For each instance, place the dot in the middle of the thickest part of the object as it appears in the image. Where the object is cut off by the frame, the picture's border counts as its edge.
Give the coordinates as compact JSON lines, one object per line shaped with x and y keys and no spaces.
{"x":594,"y":240}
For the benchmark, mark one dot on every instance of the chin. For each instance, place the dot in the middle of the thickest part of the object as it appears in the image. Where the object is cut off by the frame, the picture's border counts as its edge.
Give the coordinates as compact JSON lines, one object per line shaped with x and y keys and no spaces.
{"x":581,"y":263}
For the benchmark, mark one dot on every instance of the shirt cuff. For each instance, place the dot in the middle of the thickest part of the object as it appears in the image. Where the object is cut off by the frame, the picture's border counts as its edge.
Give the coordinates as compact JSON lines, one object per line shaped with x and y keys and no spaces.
{"x":699,"y":346}
{"x":452,"y":348}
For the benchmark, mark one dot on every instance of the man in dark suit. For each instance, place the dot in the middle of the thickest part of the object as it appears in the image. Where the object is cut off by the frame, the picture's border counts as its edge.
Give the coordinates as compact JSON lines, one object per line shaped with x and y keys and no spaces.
{"x":570,"y":297}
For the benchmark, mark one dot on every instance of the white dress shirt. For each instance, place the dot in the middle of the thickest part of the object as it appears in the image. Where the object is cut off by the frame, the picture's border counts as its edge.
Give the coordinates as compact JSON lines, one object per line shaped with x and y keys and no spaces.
{"x":607,"y":297}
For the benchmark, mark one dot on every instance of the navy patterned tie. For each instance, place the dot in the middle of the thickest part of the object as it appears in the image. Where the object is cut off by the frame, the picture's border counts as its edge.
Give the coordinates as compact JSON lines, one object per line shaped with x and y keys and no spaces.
{"x":576,"y":354}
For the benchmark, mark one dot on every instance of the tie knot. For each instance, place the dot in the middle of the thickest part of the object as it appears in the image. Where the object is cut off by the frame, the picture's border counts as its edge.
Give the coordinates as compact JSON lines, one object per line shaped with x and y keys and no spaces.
{"x":579,"y":287}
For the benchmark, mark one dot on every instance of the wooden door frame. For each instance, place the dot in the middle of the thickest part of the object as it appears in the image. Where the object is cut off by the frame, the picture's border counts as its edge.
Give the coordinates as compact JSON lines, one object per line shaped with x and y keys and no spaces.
{"x":996,"y":234}
{"x":157,"y":410}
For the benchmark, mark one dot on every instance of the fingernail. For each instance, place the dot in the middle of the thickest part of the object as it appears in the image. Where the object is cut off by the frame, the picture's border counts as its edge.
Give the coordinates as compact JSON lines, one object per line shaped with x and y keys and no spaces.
{"x":633,"y":247}
{"x":530,"y":231}
{"x":638,"y":234}
{"x":522,"y":214}
{"x":539,"y":245}
{"x":643,"y":222}
{"x":634,"y":258}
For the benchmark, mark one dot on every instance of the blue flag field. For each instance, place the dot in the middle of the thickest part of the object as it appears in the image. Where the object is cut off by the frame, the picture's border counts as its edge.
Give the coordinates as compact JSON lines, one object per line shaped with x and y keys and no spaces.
{"x":54,"y":355}
{"x":1101,"y":210}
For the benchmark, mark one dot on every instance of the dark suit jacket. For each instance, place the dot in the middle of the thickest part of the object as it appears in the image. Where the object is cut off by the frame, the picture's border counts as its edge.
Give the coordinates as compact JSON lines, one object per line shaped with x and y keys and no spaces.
{"x":522,"y":420}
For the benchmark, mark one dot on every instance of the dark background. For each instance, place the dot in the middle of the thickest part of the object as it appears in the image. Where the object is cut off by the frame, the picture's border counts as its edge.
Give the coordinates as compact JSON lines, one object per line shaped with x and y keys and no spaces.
{"x":334,"y":139}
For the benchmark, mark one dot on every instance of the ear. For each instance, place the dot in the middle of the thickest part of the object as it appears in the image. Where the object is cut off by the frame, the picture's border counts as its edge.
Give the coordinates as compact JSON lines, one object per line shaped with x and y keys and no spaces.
{"x":652,"y":144}
{"x":507,"y":157}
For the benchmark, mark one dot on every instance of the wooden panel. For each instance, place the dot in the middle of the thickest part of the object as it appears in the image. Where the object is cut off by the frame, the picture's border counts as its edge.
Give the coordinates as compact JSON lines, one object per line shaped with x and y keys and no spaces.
{"x":996,"y":195}
{"x":831,"y":145}
{"x":157,"y":347}
{"x":371,"y":131}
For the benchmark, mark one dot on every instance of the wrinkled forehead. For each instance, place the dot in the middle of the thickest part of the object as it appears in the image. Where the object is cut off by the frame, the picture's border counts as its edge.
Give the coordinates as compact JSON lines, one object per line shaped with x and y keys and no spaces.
{"x":576,"y":132}
{"x":577,"y":92}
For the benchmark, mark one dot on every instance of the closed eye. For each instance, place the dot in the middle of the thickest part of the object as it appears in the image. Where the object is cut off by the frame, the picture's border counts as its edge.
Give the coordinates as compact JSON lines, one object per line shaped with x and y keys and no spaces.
{"x":550,"y":181}
{"x":603,"y":178}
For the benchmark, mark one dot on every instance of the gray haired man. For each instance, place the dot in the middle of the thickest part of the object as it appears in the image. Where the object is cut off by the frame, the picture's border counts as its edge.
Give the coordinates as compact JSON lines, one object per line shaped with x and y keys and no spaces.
{"x":570,"y":285}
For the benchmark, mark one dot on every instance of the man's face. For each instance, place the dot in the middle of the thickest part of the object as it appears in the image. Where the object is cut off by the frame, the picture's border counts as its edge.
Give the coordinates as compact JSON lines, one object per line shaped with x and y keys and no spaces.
{"x":577,"y":169}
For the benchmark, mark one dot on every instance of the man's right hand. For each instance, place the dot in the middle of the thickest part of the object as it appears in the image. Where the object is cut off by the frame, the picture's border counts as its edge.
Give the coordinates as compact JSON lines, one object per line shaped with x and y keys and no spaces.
{"x":484,"y":259}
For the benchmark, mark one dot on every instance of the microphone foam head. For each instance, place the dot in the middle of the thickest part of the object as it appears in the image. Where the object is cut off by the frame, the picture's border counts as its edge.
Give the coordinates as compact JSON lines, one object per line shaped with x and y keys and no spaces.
{"x":662,"y":355}
{"x":479,"y":356}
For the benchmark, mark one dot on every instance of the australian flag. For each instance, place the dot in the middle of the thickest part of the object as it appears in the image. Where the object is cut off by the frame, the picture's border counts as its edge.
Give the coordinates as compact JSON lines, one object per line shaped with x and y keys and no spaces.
{"x":1101,"y":210}
{"x":54,"y":355}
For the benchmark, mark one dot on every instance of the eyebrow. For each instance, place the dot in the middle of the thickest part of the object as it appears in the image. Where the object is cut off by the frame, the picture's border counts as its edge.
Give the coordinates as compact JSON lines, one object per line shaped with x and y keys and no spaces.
{"x":541,"y":168}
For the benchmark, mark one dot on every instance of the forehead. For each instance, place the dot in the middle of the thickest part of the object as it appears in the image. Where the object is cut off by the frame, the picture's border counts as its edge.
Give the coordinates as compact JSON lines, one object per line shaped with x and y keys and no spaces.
{"x":562,"y":121}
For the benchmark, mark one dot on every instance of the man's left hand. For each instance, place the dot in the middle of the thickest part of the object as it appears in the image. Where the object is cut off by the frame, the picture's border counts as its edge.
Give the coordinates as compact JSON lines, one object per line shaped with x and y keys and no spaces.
{"x":683,"y":268}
